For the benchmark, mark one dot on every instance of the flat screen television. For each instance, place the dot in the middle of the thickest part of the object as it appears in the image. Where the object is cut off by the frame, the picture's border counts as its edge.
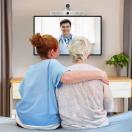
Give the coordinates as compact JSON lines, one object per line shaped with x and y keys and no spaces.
{"x":86,"y":26}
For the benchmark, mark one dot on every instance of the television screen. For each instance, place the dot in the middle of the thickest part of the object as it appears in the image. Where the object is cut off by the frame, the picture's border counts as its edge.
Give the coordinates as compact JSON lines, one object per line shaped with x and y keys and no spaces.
{"x":67,"y":28}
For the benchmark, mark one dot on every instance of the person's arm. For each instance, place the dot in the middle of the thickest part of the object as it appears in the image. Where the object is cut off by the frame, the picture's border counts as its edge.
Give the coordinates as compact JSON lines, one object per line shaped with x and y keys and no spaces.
{"x":108,"y":99}
{"x":60,"y":74}
{"x":79,"y":76}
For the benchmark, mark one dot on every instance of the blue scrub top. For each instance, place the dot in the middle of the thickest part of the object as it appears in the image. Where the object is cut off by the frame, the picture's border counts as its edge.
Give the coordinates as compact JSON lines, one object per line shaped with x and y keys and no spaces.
{"x":64,"y":42}
{"x":38,"y":106}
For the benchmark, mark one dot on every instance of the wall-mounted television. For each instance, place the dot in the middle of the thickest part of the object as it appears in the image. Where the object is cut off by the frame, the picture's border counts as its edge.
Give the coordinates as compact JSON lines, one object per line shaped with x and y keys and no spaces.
{"x":59,"y":26}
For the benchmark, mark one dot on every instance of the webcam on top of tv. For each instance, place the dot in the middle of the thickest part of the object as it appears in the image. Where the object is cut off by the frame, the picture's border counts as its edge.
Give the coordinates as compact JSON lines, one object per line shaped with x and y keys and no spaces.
{"x":67,"y":8}
{"x":68,"y":12}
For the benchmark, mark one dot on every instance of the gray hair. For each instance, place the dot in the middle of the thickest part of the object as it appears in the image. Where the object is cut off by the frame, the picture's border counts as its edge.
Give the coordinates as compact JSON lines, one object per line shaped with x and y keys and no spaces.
{"x":79,"y":48}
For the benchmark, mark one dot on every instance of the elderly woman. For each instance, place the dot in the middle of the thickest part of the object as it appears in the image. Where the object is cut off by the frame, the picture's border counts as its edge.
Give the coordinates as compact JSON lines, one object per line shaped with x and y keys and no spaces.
{"x":84,"y":105}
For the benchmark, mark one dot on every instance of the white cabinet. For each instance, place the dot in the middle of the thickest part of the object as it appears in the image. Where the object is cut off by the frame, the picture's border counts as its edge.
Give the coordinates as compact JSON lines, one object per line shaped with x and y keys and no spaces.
{"x":14,"y":95}
{"x":120,"y":89}
{"x":15,"y":91}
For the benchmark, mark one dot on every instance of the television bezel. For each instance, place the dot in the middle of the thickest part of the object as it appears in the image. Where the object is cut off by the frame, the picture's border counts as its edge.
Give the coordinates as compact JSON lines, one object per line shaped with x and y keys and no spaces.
{"x":100,"y":54}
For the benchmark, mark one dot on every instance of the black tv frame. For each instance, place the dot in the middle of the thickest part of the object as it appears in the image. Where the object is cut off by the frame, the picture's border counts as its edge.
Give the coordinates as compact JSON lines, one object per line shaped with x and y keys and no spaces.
{"x":70,"y":16}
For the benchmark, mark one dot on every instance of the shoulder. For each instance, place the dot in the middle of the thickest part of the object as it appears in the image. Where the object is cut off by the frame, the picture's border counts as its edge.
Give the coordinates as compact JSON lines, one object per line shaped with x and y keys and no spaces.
{"x":83,"y":67}
{"x":59,"y":38}
{"x":92,"y":67}
{"x":54,"y":61}
{"x":49,"y":61}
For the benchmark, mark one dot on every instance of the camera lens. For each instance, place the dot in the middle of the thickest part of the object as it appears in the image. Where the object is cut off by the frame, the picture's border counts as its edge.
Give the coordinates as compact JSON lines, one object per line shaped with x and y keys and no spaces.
{"x":67,"y":13}
{"x":67,"y":5}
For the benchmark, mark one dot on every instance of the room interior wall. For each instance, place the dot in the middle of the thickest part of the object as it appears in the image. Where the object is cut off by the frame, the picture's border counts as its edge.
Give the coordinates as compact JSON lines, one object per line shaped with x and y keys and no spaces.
{"x":23,"y":12}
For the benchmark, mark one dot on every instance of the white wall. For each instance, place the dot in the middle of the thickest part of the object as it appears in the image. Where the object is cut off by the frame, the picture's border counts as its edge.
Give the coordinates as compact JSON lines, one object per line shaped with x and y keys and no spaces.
{"x":24,"y":10}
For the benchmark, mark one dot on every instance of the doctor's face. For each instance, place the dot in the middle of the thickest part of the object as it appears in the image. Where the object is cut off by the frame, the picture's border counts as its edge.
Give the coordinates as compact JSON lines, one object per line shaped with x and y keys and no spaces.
{"x":65,"y":28}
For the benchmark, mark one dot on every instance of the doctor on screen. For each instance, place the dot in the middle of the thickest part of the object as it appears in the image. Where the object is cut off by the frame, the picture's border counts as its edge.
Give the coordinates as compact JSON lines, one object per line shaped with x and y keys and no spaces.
{"x":65,"y":37}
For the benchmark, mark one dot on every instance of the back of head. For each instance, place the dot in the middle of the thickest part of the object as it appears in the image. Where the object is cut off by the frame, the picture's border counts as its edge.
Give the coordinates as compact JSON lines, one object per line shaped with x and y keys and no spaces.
{"x":80,"y":48}
{"x":43,"y":44}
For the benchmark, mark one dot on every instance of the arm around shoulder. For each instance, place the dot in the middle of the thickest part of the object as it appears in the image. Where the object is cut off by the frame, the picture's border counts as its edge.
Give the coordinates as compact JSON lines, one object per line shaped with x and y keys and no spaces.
{"x":79,"y":76}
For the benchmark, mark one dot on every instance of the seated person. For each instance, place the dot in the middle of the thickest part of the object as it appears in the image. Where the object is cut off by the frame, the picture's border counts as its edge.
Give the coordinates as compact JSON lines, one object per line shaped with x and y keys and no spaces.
{"x":83,"y":105}
{"x":37,"y":108}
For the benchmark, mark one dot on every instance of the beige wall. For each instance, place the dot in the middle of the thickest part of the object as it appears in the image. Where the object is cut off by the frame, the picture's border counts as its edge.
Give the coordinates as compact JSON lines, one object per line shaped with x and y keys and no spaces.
{"x":24,"y":10}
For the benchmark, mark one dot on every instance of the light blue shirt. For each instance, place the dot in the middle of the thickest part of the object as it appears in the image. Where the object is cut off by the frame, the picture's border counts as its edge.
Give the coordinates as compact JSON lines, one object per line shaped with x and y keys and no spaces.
{"x":38,"y":106}
{"x":64,"y":42}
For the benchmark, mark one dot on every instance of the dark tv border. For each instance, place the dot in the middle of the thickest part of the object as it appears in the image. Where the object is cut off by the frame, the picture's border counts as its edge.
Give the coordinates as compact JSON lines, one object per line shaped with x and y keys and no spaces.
{"x":69,"y":16}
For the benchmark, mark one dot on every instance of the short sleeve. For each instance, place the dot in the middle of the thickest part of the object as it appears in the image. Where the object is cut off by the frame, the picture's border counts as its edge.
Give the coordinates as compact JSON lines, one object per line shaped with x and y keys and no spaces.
{"x":57,"y":70}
